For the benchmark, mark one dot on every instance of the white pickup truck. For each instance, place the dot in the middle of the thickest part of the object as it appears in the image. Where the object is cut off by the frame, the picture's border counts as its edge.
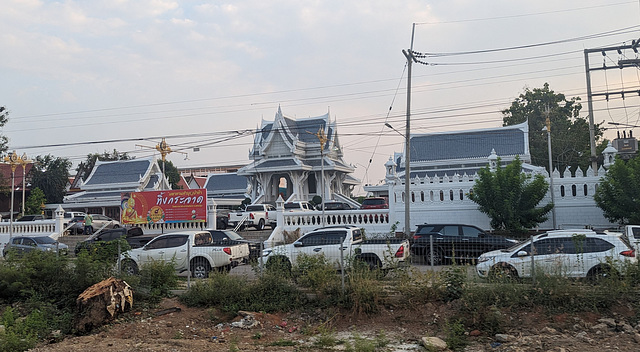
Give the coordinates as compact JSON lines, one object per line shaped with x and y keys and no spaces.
{"x":339,"y":243}
{"x":255,"y":215}
{"x":632,"y":234}
{"x":194,"y":250}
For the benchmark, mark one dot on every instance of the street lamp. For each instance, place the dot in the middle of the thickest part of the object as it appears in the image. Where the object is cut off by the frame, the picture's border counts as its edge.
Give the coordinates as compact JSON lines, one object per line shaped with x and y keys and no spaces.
{"x":14,"y":160}
{"x":24,"y":161}
{"x":548,"y":129}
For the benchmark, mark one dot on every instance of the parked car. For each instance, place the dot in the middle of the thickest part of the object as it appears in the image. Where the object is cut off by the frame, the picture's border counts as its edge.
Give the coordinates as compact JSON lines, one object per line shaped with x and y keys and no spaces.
{"x":454,"y":242}
{"x":191,"y":250}
{"x":134,"y":236}
{"x":570,"y":253}
{"x":24,"y":244}
{"x":231,"y":237}
{"x":336,"y":206}
{"x":255,"y":215}
{"x":375,"y":203}
{"x":34,"y":217}
{"x":338,"y":243}
{"x":99,"y":222}
{"x":297,"y":206}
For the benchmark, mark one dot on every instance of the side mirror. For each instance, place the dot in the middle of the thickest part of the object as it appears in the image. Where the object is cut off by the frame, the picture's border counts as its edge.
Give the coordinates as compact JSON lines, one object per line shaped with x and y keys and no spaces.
{"x":482,"y":235}
{"x":297,"y":244}
{"x":522,"y":254}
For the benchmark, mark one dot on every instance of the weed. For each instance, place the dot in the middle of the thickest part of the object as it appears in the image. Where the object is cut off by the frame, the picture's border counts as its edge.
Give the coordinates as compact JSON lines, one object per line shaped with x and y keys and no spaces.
{"x":283,"y":343}
{"x":456,"y":338}
{"x":179,"y":335}
{"x":157,"y":279}
{"x":326,"y":338}
{"x":257,"y":336}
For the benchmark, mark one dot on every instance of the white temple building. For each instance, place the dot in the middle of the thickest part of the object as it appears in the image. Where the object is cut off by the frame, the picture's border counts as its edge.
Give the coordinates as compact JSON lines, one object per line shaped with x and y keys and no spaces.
{"x":288,"y":161}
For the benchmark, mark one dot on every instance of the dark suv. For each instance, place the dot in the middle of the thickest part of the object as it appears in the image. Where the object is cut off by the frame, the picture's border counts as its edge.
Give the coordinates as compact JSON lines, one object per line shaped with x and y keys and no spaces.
{"x":454,"y":242}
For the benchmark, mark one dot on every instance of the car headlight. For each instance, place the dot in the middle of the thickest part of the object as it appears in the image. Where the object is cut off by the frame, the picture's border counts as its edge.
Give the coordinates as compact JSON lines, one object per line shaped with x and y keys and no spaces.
{"x":483,"y":259}
{"x":266,"y":252}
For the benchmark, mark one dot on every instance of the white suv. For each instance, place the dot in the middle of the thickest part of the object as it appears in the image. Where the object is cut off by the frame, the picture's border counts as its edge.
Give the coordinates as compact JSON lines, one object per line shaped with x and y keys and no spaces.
{"x":570,"y":253}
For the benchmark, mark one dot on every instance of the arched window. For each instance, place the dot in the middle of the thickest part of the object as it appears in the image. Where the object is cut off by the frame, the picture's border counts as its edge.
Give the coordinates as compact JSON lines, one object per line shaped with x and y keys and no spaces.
{"x":574,"y":190}
{"x":422,"y":196}
{"x":561,"y":191}
{"x":451,"y":195}
{"x":413,"y":197}
{"x":461,"y":195}
{"x":431,"y":196}
{"x":442,"y":196}
{"x":402,"y":197}
{"x":586,"y":190}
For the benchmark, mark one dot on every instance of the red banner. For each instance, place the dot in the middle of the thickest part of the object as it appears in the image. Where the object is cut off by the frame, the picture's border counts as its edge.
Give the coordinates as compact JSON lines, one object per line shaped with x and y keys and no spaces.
{"x":156,"y":207}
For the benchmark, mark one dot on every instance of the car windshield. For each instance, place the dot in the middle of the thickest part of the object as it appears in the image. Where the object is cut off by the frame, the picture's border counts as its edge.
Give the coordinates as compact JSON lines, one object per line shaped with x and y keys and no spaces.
{"x":426,"y":229}
{"x":232,"y":235}
{"x":292,"y":206}
{"x":44,"y":240}
{"x":255,"y":208}
{"x":514,"y":247}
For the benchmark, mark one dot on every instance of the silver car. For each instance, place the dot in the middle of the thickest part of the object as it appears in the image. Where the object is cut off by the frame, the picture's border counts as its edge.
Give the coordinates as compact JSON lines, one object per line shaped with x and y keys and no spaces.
{"x":24,"y":244}
{"x":99,"y":222}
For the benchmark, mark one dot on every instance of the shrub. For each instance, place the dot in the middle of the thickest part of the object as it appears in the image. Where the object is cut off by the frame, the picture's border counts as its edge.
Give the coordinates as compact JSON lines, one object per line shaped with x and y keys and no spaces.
{"x":456,"y":338}
{"x":316,"y":273}
{"x":270,"y":293}
{"x":157,"y":279}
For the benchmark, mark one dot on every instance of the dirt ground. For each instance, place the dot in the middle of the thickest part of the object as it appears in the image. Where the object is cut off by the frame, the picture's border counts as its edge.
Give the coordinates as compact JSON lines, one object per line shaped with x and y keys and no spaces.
{"x":195,"y":329}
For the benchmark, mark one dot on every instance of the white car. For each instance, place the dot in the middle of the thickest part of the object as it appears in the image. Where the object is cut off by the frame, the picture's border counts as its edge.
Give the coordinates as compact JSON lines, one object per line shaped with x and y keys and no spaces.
{"x":569,"y":253}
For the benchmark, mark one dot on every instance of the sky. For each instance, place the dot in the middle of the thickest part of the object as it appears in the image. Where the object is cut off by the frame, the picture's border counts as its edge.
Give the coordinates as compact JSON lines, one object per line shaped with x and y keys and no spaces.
{"x":82,"y":77}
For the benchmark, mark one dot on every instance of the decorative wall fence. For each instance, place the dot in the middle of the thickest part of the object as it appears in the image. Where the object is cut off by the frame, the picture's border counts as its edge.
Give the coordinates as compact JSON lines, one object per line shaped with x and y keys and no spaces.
{"x":445,"y":200}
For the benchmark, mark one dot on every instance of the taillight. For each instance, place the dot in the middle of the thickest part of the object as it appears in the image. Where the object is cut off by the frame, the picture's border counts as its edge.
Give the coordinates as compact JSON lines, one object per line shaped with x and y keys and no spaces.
{"x":630,"y":253}
{"x":400,"y":252}
{"x":415,"y":237}
{"x":251,"y":216}
{"x":227,"y":250}
{"x":229,"y":216}
{"x":266,"y":214}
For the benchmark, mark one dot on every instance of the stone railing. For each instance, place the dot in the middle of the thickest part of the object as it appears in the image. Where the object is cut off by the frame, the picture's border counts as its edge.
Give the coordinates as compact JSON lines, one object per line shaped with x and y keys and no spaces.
{"x":28,"y":227}
{"x":156,"y":229}
{"x":374,"y":221}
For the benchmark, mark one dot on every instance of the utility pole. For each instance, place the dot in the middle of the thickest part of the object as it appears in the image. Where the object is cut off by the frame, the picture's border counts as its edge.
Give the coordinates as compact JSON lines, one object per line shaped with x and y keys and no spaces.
{"x":407,"y":143}
{"x":322,"y":138}
{"x":621,"y":64}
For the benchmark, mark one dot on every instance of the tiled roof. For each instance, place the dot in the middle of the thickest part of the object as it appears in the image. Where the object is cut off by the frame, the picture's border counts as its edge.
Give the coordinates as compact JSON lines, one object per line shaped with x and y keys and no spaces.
{"x":119,"y":172}
{"x":464,"y":145}
{"x":217,"y":183}
{"x":275,"y":163}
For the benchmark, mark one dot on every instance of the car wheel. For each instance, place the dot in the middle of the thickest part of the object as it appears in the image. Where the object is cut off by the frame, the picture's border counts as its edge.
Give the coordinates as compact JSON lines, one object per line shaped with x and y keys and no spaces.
{"x":260,"y":226}
{"x":503,"y":272}
{"x":116,"y":226}
{"x":279,"y":264}
{"x":129,"y":267}
{"x":200,"y":268}
{"x":438,"y":257}
{"x":601,"y":272}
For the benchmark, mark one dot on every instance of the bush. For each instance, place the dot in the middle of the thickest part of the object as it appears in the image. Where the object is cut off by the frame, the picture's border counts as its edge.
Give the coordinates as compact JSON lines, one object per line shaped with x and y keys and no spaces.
{"x":157,"y":279}
{"x":270,"y":293}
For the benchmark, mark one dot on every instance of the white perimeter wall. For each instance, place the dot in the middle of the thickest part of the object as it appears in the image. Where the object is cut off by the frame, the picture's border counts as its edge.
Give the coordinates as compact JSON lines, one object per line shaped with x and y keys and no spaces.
{"x":445,"y":199}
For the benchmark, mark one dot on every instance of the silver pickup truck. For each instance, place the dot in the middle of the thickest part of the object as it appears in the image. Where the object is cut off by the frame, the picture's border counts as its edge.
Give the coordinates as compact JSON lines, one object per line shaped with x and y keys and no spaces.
{"x":194,"y":250}
{"x":339,"y":244}
{"x":255,"y":215}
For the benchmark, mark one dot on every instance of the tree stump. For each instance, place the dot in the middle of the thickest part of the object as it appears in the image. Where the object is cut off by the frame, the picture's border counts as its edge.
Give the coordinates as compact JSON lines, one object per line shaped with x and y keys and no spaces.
{"x":102,"y":303}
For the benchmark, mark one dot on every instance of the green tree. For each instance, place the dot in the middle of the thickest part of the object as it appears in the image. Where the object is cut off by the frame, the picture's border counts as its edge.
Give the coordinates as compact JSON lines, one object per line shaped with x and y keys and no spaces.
{"x":171,"y":172}
{"x":618,"y":194}
{"x":34,"y":201}
{"x":51,"y":175}
{"x":510,"y":197}
{"x":569,"y":132}
{"x":85,"y":167}
{"x":4,"y":117}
